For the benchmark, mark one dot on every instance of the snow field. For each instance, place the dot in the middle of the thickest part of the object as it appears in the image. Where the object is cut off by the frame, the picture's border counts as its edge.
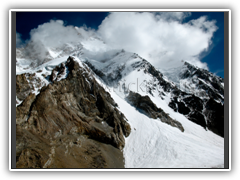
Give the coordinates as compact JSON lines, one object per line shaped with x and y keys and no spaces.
{"x":153,"y":144}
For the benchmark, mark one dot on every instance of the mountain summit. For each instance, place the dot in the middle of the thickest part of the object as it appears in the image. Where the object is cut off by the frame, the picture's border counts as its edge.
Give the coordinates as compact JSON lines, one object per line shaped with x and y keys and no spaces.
{"x":85,"y":105}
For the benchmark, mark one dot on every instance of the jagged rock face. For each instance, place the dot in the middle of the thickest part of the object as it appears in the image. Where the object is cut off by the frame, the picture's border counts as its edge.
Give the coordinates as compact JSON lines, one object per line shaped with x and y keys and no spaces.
{"x":25,"y":84}
{"x":207,"y":113}
{"x":179,"y":106}
{"x":22,"y":111}
{"x":146,"y":106}
{"x":204,"y":81}
{"x":215,"y":116}
{"x":73,"y":122}
{"x":201,"y":88}
{"x":197,"y":107}
{"x":189,"y":98}
{"x":23,"y":88}
{"x":198,"y":118}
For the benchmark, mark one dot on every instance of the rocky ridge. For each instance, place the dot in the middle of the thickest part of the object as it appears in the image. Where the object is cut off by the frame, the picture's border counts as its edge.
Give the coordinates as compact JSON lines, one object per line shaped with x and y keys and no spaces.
{"x":202,"y":88}
{"x":72,"y":122}
{"x":193,"y":105}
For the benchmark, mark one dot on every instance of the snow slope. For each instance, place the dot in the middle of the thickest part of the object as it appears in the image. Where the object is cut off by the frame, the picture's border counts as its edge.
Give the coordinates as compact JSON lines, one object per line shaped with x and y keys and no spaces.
{"x":153,"y":144}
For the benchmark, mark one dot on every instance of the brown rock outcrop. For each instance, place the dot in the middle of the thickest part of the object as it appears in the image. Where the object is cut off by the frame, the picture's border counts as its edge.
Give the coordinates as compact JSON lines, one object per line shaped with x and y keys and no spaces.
{"x":71,"y":123}
{"x":23,"y":87}
{"x":145,"y":105}
{"x":25,"y":84}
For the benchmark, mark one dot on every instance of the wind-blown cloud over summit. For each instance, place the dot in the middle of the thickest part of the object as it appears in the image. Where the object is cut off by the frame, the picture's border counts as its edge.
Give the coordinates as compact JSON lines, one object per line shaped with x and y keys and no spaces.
{"x":53,"y":34}
{"x":160,"y":37}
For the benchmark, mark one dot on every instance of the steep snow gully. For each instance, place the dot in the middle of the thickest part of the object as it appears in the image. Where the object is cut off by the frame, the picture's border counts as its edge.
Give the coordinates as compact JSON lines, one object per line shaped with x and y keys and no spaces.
{"x":151,"y":143}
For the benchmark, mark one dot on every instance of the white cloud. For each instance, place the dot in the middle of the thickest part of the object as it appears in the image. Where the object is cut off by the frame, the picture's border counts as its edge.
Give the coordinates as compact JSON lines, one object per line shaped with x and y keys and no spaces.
{"x":160,"y":38}
{"x":53,"y":34}
{"x":175,"y":16}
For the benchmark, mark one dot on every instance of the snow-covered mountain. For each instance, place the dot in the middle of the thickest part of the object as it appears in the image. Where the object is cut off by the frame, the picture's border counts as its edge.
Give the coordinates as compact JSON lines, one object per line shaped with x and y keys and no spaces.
{"x":161,"y":118}
{"x":197,"y":81}
{"x":207,"y":96}
{"x":195,"y":93}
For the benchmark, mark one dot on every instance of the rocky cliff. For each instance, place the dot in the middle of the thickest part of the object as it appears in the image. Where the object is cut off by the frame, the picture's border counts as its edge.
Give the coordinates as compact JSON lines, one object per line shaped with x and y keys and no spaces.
{"x":71,"y":123}
{"x":200,"y":97}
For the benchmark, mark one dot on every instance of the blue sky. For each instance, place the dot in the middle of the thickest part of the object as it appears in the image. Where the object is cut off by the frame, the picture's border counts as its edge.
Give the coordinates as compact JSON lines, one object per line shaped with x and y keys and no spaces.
{"x":214,"y":56}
